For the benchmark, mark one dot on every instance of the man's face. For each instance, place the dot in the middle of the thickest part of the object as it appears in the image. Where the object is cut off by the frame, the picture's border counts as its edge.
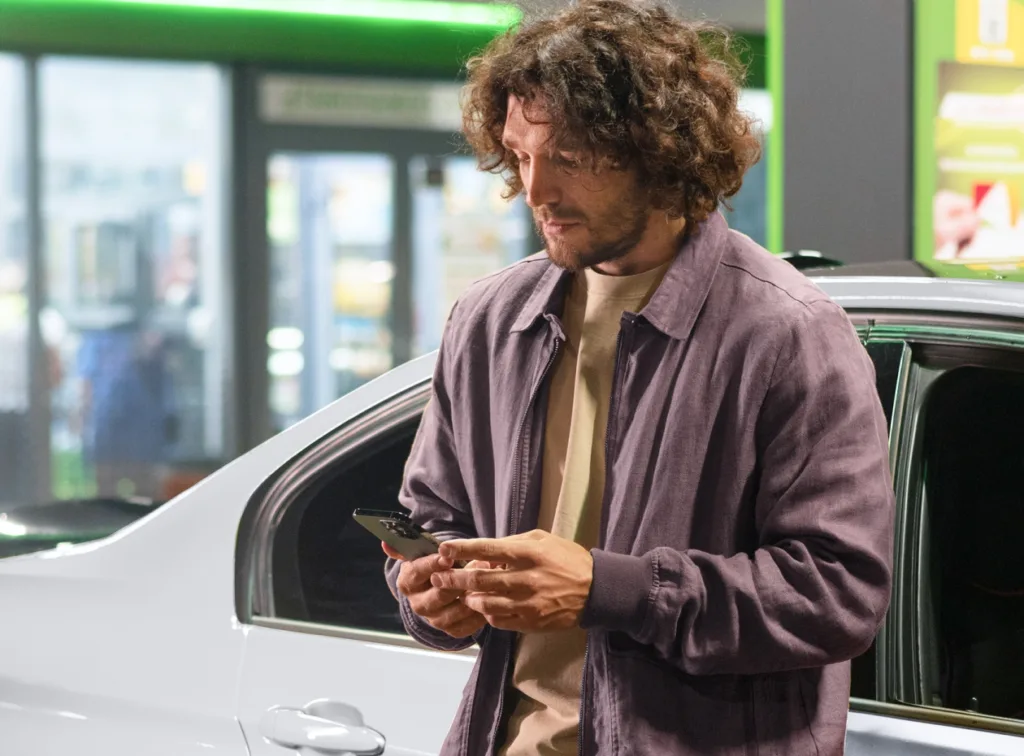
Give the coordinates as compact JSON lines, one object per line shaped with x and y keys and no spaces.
{"x":585,"y":217}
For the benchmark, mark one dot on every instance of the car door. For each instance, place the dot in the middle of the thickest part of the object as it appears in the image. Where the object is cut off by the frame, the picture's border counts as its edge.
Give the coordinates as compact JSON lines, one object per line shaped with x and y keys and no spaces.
{"x":927,"y":686}
{"x":327,"y":665}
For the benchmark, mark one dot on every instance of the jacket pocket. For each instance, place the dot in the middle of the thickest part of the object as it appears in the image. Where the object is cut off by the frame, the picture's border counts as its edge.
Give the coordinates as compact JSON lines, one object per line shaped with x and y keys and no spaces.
{"x":781,"y":719}
{"x":659,"y":709}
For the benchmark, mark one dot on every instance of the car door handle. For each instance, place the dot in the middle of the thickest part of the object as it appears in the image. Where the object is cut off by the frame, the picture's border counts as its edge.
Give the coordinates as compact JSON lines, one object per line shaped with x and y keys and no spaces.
{"x":322,"y":727}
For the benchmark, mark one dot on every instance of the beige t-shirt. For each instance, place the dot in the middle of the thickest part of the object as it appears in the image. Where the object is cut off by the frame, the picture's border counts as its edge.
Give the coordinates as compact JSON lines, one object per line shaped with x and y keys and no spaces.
{"x":549,"y":666}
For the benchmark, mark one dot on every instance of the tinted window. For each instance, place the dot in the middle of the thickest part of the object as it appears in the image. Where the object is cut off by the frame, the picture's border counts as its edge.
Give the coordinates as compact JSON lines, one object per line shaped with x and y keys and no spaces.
{"x":974,"y":494}
{"x":887,"y":357}
{"x":329,"y":570}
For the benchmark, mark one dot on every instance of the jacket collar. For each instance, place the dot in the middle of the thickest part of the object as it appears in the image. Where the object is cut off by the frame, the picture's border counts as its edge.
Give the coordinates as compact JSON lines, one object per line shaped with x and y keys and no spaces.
{"x":674,"y":306}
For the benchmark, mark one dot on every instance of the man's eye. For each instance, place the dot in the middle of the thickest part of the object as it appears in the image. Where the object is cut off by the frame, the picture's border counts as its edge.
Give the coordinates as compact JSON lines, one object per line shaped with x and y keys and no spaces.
{"x":567,"y":161}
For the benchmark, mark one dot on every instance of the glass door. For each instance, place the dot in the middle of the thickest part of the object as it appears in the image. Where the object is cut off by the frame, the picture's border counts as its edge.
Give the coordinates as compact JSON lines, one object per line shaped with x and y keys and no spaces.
{"x":463,"y":230}
{"x":366,"y":221}
{"x":330,"y":232}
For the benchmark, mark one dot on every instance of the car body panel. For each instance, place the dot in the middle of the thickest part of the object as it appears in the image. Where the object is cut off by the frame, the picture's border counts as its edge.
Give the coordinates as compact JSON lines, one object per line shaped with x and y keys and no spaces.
{"x":158,"y":597}
{"x":927,"y":295}
{"x":880,"y":735}
{"x":407,"y":694}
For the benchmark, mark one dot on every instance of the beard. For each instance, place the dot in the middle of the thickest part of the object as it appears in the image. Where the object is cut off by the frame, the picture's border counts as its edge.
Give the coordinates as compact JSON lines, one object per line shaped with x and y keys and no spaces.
{"x":612,"y":239}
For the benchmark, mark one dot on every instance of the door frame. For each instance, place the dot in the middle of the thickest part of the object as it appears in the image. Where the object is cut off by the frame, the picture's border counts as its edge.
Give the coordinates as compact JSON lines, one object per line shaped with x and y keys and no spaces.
{"x":255,"y":142}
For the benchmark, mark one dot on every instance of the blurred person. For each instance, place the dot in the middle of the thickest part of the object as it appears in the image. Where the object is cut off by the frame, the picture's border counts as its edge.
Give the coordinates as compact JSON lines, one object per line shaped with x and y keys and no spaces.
{"x":658,"y":447}
{"x":127,"y":417}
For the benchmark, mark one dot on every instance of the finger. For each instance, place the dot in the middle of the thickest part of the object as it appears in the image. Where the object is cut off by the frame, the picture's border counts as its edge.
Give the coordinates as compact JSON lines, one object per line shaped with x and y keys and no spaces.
{"x":491,"y":604}
{"x":433,"y":601}
{"x":470,"y":626}
{"x":502,"y":581}
{"x":418,"y":571}
{"x":450,"y":616}
{"x":514,"y":550}
{"x":391,"y":552}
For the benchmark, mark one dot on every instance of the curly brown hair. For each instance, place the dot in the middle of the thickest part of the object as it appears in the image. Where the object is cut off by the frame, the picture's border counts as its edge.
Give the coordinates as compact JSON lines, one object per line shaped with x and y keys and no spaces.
{"x":628,"y":85}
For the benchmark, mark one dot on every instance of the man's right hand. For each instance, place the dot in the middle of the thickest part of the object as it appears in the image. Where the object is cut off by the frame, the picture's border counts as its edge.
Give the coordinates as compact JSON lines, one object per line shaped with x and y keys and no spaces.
{"x":441,"y":608}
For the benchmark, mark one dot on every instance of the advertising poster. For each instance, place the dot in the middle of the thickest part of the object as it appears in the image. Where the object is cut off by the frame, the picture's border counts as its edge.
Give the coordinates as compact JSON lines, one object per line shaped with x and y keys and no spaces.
{"x":969,"y":137}
{"x":979,"y":145}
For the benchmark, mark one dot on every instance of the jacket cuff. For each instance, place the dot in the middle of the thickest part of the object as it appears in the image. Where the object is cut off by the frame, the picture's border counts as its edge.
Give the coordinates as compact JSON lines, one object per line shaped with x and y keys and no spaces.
{"x":620,"y":592}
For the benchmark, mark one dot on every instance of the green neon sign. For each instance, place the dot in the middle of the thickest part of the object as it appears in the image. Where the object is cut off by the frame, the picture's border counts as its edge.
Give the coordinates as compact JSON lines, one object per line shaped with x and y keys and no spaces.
{"x":426,"y":11}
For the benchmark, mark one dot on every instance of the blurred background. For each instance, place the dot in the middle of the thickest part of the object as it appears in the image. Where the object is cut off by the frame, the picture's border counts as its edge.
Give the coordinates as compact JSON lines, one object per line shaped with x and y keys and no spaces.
{"x":218,"y":216}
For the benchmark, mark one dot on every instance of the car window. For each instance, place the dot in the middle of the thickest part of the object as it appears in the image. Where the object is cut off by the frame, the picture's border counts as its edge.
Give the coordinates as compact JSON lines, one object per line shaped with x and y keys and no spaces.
{"x":973,"y":593}
{"x":326,"y":568}
{"x":887,"y":357}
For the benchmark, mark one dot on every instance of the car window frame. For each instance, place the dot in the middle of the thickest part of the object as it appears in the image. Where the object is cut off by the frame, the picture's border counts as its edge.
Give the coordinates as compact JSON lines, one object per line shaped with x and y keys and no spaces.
{"x":266,"y":511}
{"x":898,"y":660}
{"x":883,"y":637}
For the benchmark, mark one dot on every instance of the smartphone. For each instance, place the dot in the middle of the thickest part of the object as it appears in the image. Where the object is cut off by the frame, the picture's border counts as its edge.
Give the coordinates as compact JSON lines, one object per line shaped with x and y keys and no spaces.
{"x":398,"y":531}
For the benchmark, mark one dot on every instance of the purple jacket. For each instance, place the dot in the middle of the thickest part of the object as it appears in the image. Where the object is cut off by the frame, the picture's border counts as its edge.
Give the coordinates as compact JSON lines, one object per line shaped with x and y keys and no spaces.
{"x":747,"y":525}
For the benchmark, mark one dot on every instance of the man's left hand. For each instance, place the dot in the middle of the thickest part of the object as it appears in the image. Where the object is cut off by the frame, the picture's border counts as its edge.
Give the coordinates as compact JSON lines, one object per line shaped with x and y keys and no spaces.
{"x":540,"y":582}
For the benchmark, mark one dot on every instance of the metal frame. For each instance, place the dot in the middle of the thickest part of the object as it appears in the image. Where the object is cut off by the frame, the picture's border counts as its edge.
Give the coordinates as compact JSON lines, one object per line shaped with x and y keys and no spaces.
{"x":902,"y":681}
{"x":345,"y":633}
{"x":266,"y":511}
{"x":39,"y":445}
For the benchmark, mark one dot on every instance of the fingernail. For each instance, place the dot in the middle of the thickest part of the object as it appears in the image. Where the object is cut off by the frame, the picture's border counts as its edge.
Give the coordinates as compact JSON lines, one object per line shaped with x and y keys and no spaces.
{"x":435,"y":581}
{"x":444,"y":563}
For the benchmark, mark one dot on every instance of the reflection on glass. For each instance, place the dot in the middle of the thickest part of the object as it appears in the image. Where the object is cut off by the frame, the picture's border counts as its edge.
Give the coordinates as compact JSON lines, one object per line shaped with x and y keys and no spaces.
{"x":329,"y":226}
{"x":750,"y":204}
{"x":132,"y":224}
{"x":15,"y":466}
{"x":463,"y":229}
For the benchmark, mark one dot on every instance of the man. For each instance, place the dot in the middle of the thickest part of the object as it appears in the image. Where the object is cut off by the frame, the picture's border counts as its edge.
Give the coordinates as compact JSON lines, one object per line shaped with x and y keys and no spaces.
{"x":658,"y":448}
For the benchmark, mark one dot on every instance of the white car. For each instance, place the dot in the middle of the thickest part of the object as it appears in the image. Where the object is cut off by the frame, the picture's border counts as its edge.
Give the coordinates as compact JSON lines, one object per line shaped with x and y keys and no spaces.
{"x":250,"y":615}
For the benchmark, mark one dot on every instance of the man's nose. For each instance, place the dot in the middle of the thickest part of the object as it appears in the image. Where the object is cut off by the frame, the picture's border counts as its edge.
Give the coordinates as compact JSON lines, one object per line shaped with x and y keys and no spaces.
{"x":540,"y":184}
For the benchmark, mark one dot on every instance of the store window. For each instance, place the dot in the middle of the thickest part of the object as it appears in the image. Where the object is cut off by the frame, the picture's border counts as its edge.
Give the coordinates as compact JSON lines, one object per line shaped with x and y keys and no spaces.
{"x":15,"y":467}
{"x":133,"y":231}
{"x":463,"y":230}
{"x":330,"y":228}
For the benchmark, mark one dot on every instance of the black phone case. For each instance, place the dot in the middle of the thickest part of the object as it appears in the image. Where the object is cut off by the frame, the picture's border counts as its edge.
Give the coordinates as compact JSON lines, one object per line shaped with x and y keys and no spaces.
{"x":398,"y":532}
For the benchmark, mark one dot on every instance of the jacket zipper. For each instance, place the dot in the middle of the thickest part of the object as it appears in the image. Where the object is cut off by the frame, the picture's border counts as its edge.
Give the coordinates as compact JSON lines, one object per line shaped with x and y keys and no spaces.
{"x":604,"y":496}
{"x":513,"y":515}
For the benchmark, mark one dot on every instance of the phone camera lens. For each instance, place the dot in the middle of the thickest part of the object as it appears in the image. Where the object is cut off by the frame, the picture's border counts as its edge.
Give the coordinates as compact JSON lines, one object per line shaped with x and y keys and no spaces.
{"x":400,"y":529}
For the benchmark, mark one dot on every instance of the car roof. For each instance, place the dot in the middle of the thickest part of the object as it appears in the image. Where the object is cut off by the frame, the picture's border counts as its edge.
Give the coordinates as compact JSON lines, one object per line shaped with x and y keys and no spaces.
{"x":923,"y":294}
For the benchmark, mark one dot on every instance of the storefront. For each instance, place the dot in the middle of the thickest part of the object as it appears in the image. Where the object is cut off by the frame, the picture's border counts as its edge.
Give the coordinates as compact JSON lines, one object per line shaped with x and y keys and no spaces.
{"x":216,"y":220}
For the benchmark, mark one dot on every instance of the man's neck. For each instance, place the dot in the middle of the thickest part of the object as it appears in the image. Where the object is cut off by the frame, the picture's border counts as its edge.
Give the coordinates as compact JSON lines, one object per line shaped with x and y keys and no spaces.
{"x":659,"y":244}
